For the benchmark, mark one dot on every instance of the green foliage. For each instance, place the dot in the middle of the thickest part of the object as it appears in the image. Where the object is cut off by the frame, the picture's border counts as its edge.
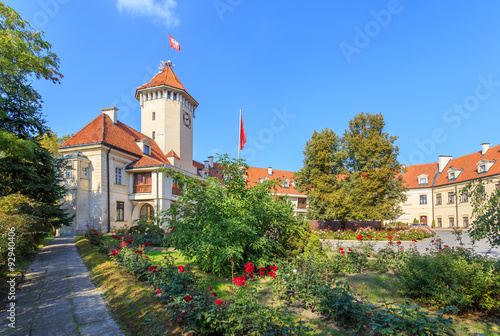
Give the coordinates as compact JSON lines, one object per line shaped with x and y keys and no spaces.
{"x":449,"y":277}
{"x":415,"y":220}
{"x":25,"y":166}
{"x":408,"y":319}
{"x":433,"y":223}
{"x":24,"y":219}
{"x":485,"y":210}
{"x":218,"y":222}
{"x":354,"y":177}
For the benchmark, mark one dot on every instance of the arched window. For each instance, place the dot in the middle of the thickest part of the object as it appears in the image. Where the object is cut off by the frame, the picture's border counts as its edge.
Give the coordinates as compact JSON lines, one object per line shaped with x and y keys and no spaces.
{"x":147,"y":211}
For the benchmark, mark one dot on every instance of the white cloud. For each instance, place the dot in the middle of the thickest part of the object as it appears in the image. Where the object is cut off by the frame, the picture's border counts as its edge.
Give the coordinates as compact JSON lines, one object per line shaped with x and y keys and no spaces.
{"x":162,"y":11}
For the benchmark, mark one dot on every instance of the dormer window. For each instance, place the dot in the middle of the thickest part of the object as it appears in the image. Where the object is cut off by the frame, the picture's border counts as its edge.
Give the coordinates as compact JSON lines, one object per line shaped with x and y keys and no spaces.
{"x":453,"y":173}
{"x":484,"y":165}
{"x":147,"y":150}
{"x":423,"y":179}
{"x":261,"y":180}
{"x":286,"y":184}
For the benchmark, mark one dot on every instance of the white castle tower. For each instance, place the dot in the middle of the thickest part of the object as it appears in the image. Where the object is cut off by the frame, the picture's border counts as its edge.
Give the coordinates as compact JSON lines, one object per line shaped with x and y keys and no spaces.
{"x":167,"y":113}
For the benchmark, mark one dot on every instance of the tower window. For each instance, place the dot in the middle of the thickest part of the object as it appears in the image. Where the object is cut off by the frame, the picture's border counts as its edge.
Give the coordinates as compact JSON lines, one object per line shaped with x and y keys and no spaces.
{"x":168,"y":94}
{"x":175,"y":96}
{"x":154,"y":116}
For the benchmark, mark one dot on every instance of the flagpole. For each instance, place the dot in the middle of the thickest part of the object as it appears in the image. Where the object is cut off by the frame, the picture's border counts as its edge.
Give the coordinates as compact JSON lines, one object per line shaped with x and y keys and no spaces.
{"x":168,"y":48}
{"x":239,"y":136}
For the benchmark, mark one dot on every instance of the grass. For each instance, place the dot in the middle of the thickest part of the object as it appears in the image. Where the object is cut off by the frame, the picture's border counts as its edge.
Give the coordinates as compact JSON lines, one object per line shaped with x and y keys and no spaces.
{"x":133,"y":303}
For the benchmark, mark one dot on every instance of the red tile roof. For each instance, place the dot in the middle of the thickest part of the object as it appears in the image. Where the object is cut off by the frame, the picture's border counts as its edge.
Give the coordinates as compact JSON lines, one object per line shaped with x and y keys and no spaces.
{"x":172,"y":154}
{"x":468,"y":166}
{"x":101,"y":130}
{"x":256,"y":174}
{"x":410,"y":177}
{"x":166,"y":77}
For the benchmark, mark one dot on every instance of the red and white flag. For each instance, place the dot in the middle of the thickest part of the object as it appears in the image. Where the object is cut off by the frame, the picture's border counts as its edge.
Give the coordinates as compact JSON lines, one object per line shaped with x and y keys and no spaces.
{"x":174,"y":44}
{"x":243,"y":138}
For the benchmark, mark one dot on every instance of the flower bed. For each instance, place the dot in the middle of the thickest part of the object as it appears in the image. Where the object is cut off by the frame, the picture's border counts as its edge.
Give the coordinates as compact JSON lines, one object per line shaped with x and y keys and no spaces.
{"x":371,"y":234}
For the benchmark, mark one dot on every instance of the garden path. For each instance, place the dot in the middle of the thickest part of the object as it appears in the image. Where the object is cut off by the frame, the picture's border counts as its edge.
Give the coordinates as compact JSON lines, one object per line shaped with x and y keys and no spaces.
{"x":58,"y":298}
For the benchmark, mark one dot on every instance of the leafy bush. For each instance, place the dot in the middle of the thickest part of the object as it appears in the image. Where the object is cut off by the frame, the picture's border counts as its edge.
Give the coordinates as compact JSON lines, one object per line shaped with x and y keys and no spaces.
{"x":231,"y":220}
{"x":449,"y":277}
{"x":408,"y":319}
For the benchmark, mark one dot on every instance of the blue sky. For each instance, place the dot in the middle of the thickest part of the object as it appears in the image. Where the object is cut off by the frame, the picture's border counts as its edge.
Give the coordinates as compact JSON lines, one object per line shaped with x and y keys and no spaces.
{"x":432,"y":69}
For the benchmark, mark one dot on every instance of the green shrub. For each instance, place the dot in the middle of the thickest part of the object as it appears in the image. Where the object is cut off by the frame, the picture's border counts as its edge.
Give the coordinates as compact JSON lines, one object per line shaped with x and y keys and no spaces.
{"x":450,"y":277}
{"x":408,"y":319}
{"x":232,"y":220}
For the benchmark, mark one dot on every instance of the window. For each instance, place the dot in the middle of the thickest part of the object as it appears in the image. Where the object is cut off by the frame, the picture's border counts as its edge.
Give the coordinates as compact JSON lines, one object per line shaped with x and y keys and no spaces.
{"x":120,"y":211}
{"x":465,"y":198}
{"x":147,"y":150}
{"x":466,"y":221}
{"x":119,"y":176}
{"x":69,"y":172}
{"x":153,"y":135}
{"x":440,"y":222}
{"x":482,"y":168}
{"x":142,"y":182}
{"x":168,"y":95}
{"x":451,"y":197}
{"x":286,"y":184}
{"x":438,"y":199}
{"x":452,"y":222}
{"x":422,"y":180}
{"x":175,"y":96}
{"x":147,"y":211}
{"x":154,"y":116}
{"x":85,"y":173}
{"x":423,"y":199}
{"x":176,"y":189}
{"x":302,"y":203}
{"x":452,"y":175}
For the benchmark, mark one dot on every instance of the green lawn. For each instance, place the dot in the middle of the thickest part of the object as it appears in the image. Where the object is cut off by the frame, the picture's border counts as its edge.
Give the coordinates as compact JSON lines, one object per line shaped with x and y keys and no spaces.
{"x":371,"y":286}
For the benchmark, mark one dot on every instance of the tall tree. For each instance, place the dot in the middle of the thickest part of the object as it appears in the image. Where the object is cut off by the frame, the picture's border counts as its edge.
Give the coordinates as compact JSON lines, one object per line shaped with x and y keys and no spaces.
{"x":374,"y":172}
{"x":355,"y":177}
{"x":322,"y":177}
{"x":26,"y":167}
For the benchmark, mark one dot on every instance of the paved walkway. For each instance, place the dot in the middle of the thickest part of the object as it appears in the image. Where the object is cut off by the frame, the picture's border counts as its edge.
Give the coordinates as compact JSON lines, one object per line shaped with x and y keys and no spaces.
{"x":57,"y":297}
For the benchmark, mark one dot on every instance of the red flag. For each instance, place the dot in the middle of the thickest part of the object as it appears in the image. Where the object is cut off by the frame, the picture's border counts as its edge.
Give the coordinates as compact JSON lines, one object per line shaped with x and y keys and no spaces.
{"x":243,"y":138}
{"x":174,"y":44}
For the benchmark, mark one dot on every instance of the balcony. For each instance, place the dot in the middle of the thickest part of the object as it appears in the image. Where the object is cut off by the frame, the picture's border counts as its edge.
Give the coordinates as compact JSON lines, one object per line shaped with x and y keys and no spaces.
{"x":142,"y":188}
{"x":302,"y":206}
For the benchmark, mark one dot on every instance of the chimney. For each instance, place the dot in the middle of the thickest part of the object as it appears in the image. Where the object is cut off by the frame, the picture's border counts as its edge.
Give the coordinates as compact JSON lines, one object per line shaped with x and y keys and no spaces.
{"x":111,"y":112}
{"x":443,"y":161}
{"x":211,"y":161}
{"x":270,"y":171}
{"x":206,"y":164}
{"x":484,"y":147}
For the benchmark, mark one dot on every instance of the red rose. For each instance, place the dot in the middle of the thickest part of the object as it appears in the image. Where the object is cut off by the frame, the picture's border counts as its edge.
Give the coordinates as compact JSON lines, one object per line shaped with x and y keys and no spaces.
{"x":115,"y":252}
{"x":273,"y":268}
{"x":399,"y":243}
{"x":214,"y":294}
{"x":342,"y":252}
{"x":210,"y":288}
{"x":138,"y":251}
{"x":181,"y":268}
{"x":188,"y":298}
{"x":218,"y":302}
{"x":272,"y":274}
{"x":249,"y":268}
{"x":157,"y":290}
{"x":238,"y":281}
{"x":389,"y":237}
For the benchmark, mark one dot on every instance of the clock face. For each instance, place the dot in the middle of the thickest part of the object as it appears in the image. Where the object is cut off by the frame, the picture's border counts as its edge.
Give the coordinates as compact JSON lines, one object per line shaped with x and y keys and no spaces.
{"x":186,"y":118}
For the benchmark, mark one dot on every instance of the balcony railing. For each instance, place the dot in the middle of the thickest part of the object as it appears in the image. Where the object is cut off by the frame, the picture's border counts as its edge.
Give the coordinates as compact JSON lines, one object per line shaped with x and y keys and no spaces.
{"x":176,"y":191}
{"x":142,"y":188}
{"x":302,"y":206}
